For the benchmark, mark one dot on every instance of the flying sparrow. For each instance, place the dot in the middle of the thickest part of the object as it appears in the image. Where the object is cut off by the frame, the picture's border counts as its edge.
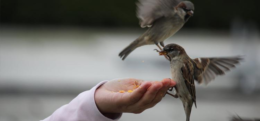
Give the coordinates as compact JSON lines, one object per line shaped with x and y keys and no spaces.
{"x":185,"y":70}
{"x":163,"y":19}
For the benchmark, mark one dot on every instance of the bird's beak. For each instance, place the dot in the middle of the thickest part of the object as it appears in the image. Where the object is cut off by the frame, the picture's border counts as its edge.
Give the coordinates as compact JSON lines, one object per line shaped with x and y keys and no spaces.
{"x":190,"y":12}
{"x":162,"y":53}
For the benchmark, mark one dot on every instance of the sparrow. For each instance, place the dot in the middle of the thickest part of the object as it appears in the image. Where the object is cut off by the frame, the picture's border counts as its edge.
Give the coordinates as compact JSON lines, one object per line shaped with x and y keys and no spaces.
{"x":185,"y":70}
{"x":163,"y":19}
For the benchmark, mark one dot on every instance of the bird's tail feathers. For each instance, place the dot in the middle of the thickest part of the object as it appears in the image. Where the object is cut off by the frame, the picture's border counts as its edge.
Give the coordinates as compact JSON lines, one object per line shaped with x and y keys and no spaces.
{"x":187,"y":109}
{"x":124,"y":53}
{"x":195,"y":103}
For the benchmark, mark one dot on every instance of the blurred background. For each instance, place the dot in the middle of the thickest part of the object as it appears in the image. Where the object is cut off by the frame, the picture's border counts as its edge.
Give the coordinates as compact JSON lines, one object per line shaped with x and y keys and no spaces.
{"x":51,"y":50}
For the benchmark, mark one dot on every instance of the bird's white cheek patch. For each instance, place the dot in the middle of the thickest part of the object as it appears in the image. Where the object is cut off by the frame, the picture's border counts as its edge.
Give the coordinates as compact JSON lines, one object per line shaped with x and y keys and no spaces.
{"x":149,"y":26}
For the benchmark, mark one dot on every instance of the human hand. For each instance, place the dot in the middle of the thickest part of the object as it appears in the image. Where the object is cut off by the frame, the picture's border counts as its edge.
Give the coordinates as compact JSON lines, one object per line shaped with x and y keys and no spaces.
{"x":130,"y":95}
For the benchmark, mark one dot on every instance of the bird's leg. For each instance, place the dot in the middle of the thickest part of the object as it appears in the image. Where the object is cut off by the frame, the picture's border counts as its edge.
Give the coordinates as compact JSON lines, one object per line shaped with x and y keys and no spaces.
{"x":162,"y":44}
{"x":173,"y":95}
{"x":158,"y":46}
{"x":170,"y":89}
{"x":176,"y":89}
{"x":157,"y":50}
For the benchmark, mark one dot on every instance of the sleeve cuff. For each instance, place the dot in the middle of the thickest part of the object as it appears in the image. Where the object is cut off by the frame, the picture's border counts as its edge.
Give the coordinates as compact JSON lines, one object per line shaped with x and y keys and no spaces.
{"x":81,"y":108}
{"x":91,"y":105}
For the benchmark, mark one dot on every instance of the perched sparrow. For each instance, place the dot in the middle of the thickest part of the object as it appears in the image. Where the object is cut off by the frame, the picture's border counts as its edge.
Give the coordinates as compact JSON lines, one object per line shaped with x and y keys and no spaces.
{"x":185,"y":70}
{"x":163,"y":19}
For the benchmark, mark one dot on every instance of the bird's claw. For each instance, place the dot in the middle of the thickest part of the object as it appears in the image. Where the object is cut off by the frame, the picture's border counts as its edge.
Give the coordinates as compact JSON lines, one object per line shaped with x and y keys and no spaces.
{"x":157,"y":50}
{"x":170,"y":89}
{"x":175,"y":96}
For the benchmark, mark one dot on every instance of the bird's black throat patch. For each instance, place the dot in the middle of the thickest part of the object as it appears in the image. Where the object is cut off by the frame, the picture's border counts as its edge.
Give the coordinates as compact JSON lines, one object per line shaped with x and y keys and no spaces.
{"x":186,"y":18}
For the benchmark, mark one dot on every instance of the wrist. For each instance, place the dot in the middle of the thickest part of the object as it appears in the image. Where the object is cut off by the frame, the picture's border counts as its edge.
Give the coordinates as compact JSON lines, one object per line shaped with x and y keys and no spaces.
{"x":104,"y":104}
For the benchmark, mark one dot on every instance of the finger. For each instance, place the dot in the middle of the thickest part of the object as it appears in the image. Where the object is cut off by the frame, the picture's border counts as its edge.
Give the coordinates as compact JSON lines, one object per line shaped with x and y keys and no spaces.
{"x":167,"y":82}
{"x":150,"y":94}
{"x":173,"y":83}
{"x":161,"y":93}
{"x":137,"y":95}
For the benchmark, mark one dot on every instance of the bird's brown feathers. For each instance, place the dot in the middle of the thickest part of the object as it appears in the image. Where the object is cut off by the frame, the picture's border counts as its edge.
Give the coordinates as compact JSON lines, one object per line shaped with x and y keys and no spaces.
{"x":202,"y":70}
{"x":187,"y":74}
{"x":206,"y":69}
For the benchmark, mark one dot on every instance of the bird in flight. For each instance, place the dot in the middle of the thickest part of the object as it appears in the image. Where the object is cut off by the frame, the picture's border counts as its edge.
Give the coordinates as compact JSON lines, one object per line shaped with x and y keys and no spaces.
{"x":163,"y":18}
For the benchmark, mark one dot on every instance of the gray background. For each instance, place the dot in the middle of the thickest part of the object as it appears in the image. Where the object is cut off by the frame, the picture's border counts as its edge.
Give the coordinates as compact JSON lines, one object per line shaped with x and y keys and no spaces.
{"x":42,"y":69}
{"x":51,"y":50}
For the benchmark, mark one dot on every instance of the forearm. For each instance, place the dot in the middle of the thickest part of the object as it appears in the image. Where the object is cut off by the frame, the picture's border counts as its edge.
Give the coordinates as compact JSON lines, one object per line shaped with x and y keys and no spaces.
{"x":82,"y":108}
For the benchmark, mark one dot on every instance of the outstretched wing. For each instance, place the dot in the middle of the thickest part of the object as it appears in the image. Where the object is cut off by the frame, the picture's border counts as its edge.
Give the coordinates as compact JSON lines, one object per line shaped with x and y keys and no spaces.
{"x":150,"y":10}
{"x":187,"y":73}
{"x":206,"y":69}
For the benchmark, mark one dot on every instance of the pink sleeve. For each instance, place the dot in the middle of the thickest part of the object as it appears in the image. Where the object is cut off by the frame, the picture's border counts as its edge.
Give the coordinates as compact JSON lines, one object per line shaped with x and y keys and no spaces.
{"x":81,"y":108}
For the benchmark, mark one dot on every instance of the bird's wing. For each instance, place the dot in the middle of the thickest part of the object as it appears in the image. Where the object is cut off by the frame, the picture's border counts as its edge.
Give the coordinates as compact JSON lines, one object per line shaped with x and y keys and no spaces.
{"x":206,"y":69}
{"x":149,"y":11}
{"x":187,"y":73}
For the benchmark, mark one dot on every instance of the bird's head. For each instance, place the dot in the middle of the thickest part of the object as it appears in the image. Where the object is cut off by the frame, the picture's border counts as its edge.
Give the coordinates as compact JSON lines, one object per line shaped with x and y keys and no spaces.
{"x":172,"y":51}
{"x":185,"y":9}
